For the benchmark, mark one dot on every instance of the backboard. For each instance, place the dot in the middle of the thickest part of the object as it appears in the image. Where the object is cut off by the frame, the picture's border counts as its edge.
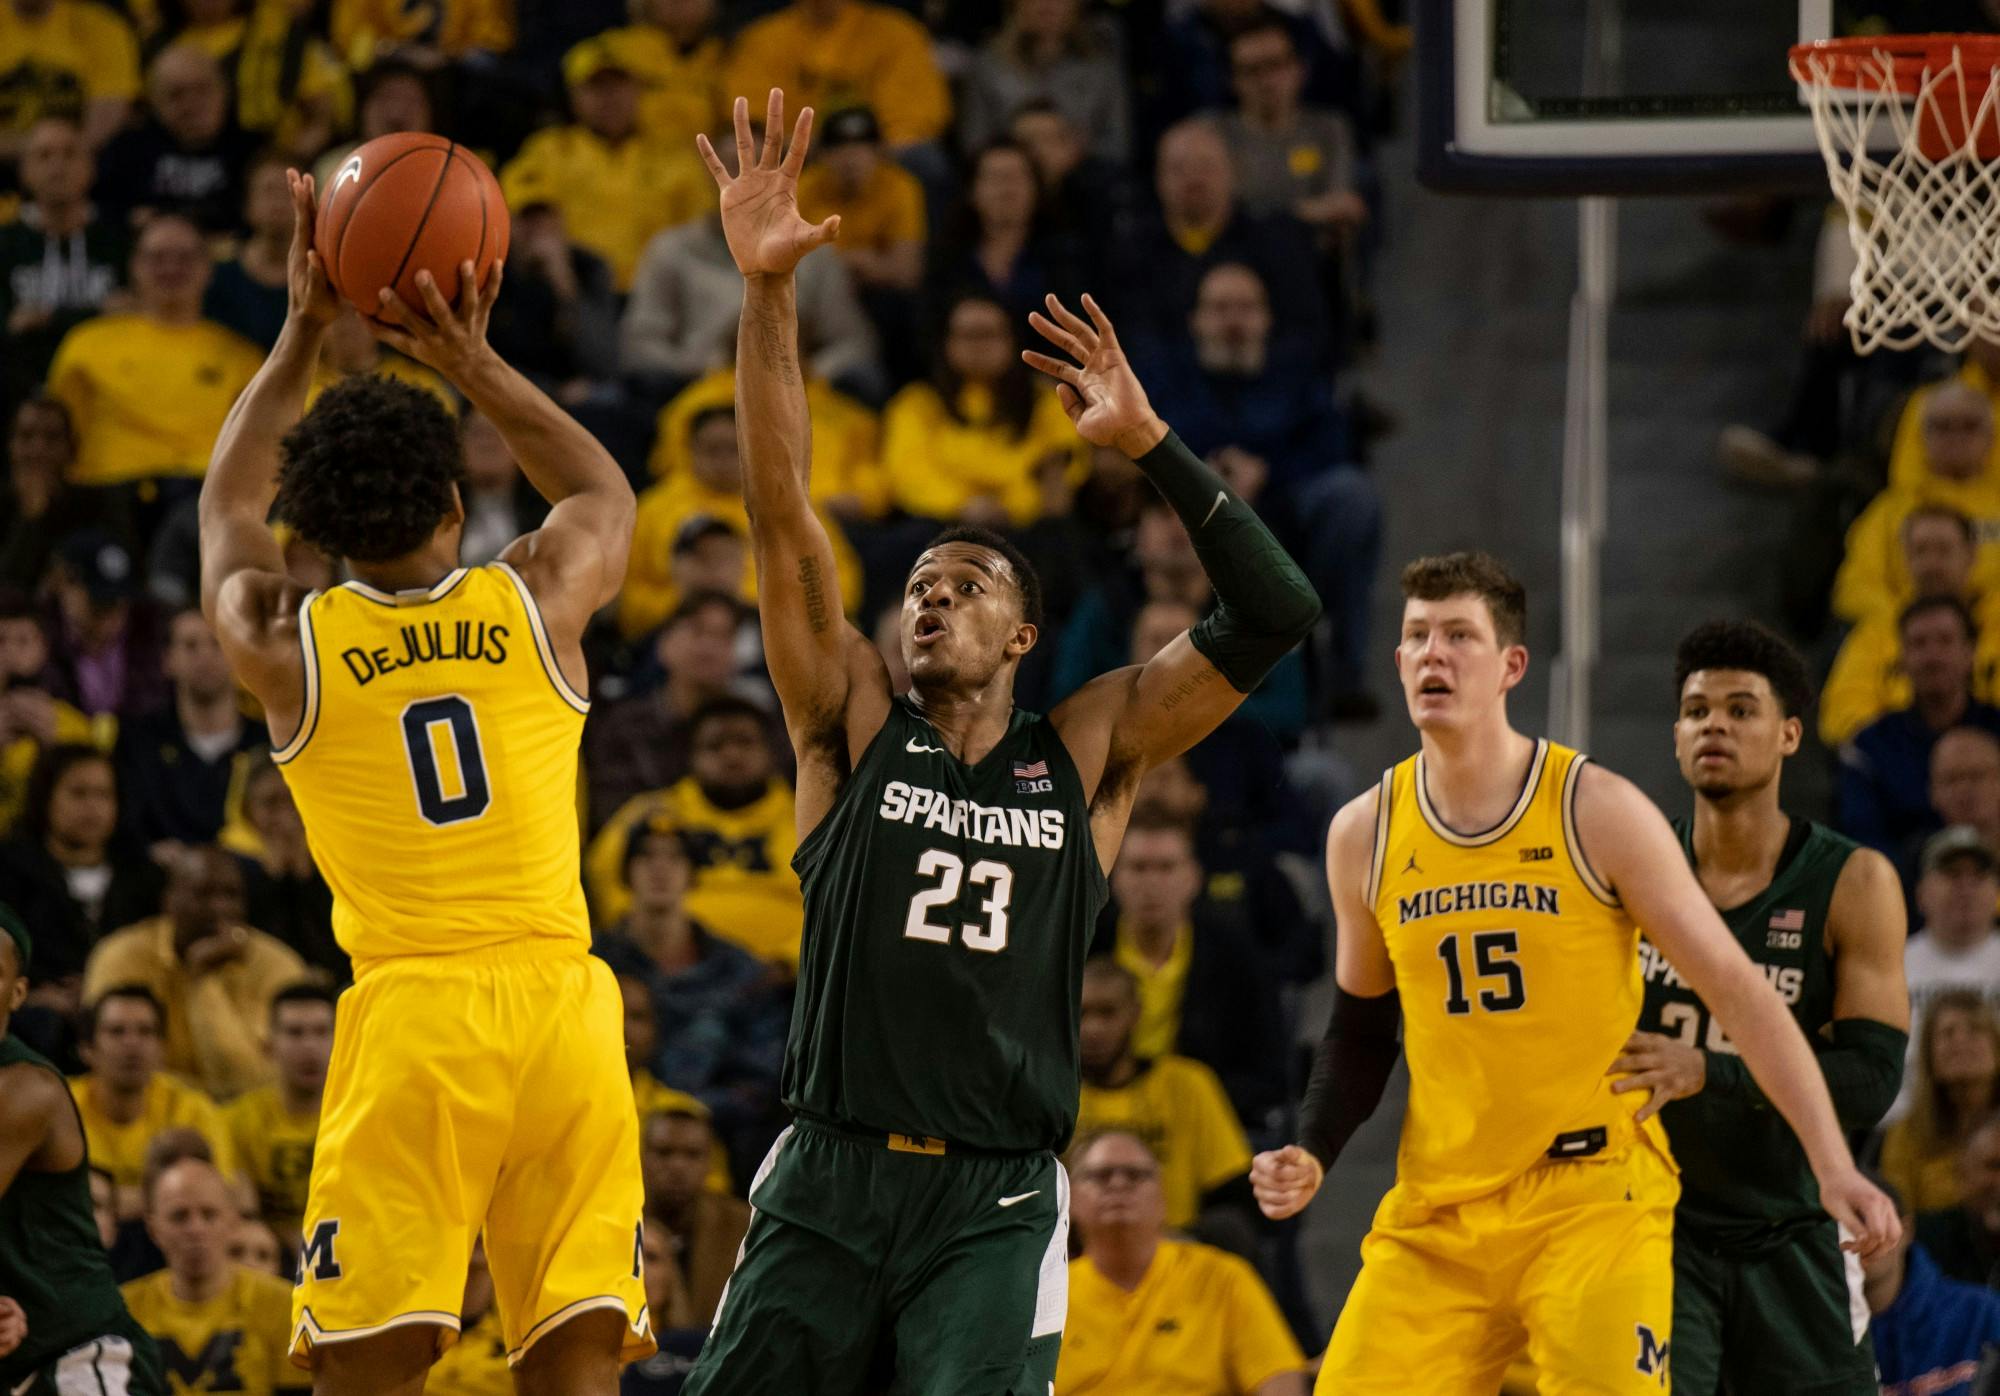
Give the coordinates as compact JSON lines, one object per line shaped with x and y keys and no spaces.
{"x":1614,"y":96}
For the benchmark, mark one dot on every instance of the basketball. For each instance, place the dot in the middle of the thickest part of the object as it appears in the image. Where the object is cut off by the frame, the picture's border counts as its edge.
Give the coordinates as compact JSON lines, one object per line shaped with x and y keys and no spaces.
{"x":407,"y":203}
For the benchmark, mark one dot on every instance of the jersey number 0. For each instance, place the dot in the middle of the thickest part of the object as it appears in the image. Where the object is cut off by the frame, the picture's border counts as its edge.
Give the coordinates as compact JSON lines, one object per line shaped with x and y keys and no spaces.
{"x":445,"y":726}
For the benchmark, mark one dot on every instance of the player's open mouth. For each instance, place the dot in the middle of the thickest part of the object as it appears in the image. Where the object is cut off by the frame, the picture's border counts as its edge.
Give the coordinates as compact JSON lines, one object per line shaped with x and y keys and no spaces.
{"x":1711,"y":753}
{"x":1435,"y":688}
{"x":929,"y":629}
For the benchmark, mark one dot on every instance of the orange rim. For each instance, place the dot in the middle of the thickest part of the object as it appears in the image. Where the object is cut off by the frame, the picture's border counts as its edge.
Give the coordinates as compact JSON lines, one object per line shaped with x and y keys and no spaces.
{"x":1856,"y":65}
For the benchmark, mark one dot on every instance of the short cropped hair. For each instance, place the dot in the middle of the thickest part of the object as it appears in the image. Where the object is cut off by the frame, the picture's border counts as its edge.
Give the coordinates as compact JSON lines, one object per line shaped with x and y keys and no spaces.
{"x":135,"y":993}
{"x":1027,"y":581}
{"x":304,"y":991}
{"x":1478,"y":574}
{"x":1924,"y":605}
{"x":371,"y":471}
{"x":1745,"y":645}
{"x":1957,"y":518}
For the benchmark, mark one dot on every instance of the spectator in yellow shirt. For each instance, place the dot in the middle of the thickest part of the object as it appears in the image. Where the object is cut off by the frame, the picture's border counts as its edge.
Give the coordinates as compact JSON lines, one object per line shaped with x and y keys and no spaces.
{"x":72,"y":58}
{"x":1153,"y":1316}
{"x":672,"y":48}
{"x":1978,"y":370}
{"x":1958,"y":439}
{"x":220,"y":1326}
{"x":736,"y":818}
{"x":147,"y":391}
{"x":366,"y":30}
{"x":702,"y":477}
{"x":272,"y":1128}
{"x":1174,"y":1104}
{"x":881,"y":205}
{"x":1867,"y":678}
{"x":615,"y":185}
{"x":125,"y":1100}
{"x":216,"y":976}
{"x":829,"y":54}
{"x":982,"y":442}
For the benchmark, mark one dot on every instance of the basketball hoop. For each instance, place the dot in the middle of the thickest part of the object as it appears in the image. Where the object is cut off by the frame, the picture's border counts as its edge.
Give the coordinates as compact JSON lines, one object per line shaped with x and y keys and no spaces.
{"x":1910,"y":128}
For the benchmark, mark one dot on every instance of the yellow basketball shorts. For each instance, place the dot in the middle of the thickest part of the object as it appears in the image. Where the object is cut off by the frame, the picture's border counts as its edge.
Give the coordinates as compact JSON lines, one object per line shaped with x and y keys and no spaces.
{"x":468,"y":1093}
{"x":1572,"y":1262}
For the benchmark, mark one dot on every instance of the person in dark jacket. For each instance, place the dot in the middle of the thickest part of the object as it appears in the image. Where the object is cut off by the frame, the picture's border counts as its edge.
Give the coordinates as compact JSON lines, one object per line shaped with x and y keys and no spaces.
{"x":1204,"y":988}
{"x":1884,"y":792}
{"x":178,"y":763}
{"x":1932,"y":1333}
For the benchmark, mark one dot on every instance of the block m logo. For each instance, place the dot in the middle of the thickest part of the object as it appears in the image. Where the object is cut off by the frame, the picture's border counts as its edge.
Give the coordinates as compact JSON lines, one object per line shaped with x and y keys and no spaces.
{"x":317,"y":1258}
{"x":1652,"y":1355}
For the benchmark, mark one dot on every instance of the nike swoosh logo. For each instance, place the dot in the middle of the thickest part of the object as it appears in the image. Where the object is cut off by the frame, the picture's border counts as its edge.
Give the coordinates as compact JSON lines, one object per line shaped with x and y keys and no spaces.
{"x":1221,"y":498}
{"x":913,"y":745}
{"x":1019,"y":1197}
{"x":350,"y":170}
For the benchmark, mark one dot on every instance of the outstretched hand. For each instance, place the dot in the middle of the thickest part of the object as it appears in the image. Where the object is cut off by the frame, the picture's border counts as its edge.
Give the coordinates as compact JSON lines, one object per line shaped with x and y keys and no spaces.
{"x":311,"y":296}
{"x":760,"y":204}
{"x":1099,"y":391}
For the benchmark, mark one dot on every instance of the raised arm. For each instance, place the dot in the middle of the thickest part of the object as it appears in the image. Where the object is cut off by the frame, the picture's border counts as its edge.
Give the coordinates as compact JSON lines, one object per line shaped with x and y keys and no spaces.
{"x":244,"y":590}
{"x":1628,"y":841}
{"x":1352,"y":1064}
{"x":1121,"y":723}
{"x":829,"y":677}
{"x":575,"y":562}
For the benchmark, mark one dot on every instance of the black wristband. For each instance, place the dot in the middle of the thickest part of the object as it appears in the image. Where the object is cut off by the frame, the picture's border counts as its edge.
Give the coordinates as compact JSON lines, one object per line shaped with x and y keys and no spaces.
{"x":1350,"y":1071}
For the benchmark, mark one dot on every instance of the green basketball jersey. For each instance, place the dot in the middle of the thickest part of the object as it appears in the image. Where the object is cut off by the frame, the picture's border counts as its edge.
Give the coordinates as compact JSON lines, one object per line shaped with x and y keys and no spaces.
{"x":51,"y":1261}
{"x":1745,"y":1183}
{"x":948,"y":910}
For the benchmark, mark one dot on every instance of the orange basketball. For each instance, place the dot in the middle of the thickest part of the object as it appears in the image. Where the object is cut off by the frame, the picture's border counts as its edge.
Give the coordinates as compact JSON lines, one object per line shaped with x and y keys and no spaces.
{"x":403,"y":204}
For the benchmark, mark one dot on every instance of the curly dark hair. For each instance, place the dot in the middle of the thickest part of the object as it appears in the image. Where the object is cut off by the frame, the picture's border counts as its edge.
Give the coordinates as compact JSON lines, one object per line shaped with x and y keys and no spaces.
{"x":1752,"y":648}
{"x":371,"y":470}
{"x":1027,"y":580}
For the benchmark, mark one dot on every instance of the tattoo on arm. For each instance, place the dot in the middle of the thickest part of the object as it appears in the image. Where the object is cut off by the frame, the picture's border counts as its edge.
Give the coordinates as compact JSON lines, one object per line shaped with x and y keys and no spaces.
{"x":1188,"y":687}
{"x":774,"y":345}
{"x":815,"y":590}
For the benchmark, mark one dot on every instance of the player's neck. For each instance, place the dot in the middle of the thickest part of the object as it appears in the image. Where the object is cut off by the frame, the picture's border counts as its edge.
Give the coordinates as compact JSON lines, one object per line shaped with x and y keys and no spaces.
{"x":1473,"y":776}
{"x":1122,"y":1254}
{"x":417,"y":572}
{"x":1742,"y":833}
{"x":200,"y":1287}
{"x":971,"y":724}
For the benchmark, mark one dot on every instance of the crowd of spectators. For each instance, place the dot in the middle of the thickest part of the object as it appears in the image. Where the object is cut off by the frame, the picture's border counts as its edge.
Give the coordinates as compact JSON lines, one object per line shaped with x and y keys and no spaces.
{"x":1203,"y":169}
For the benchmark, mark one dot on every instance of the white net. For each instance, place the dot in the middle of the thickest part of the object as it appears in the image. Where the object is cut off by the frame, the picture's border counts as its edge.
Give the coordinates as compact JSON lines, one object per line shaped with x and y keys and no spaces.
{"x":1922,"y":201}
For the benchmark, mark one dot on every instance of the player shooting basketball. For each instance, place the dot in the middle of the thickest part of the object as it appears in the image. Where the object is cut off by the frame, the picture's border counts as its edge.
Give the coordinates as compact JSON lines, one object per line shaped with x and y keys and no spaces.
{"x":910,"y":1227}
{"x":430,"y":716}
{"x":1489,"y":892}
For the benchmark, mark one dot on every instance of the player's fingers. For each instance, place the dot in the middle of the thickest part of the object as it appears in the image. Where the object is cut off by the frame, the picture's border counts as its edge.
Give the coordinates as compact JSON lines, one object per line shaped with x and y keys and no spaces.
{"x":1651,"y":1107}
{"x":1099,"y":319}
{"x":795,"y":158}
{"x":746,"y":154}
{"x":435,"y":304}
{"x":399,"y":340}
{"x":1070,"y":398}
{"x":774,"y":130}
{"x":390,"y":308}
{"x":712,"y":160}
{"x":826,"y":232}
{"x":1632,"y":1061}
{"x":1071,"y":321}
{"x":1056,"y":334}
{"x":1067,"y":373}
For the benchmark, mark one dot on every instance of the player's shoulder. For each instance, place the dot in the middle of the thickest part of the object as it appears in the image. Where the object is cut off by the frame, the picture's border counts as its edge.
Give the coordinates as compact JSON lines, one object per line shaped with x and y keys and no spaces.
{"x":1864,"y":880}
{"x":30,"y":1091}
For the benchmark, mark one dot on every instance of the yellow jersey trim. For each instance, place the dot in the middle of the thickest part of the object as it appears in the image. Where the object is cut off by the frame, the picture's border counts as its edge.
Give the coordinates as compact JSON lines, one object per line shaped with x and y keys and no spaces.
{"x":542,"y":645}
{"x":415,"y":596}
{"x":1498,"y":831}
{"x":1596,"y":885}
{"x":1385,"y":803}
{"x":309,"y":710}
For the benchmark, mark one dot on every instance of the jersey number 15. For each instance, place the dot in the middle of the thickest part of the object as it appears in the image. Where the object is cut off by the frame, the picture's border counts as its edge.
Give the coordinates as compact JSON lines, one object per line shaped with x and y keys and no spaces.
{"x":1493,"y":955}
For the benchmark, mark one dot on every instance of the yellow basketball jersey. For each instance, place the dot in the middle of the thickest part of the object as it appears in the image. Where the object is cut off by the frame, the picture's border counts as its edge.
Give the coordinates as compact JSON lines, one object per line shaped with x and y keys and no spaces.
{"x":435,"y":767}
{"x":1519,"y":978}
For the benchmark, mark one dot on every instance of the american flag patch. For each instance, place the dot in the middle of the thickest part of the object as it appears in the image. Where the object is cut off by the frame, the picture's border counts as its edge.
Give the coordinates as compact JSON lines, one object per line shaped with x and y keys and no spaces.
{"x":1793,"y":920}
{"x":1031,"y":770}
